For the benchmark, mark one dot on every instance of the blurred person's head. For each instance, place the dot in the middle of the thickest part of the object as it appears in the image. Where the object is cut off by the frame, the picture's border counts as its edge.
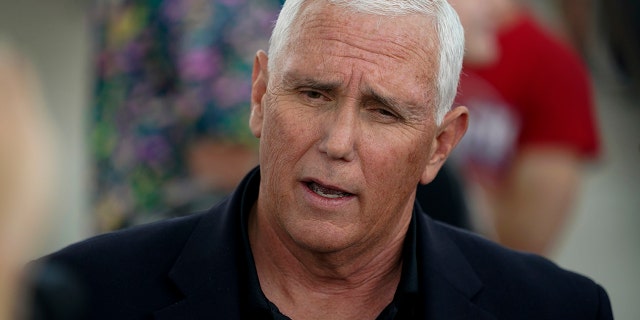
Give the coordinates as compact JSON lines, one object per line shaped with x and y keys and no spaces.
{"x":25,"y":171}
{"x":481,"y":20}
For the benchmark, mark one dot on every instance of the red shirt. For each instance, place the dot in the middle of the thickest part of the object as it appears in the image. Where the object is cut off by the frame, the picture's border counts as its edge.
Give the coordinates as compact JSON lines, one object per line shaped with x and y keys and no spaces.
{"x":537,"y":93}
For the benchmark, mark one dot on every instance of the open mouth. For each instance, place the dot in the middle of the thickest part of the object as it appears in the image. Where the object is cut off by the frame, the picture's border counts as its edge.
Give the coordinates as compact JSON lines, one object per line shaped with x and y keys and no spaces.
{"x":327,"y":192}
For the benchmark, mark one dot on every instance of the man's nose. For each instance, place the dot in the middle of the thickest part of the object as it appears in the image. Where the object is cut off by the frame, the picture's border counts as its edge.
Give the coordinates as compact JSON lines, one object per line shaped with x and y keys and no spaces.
{"x":339,"y":131}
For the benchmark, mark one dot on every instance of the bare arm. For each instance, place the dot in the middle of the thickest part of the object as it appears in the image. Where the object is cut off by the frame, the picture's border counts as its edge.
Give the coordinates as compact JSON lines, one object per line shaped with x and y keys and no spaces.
{"x":533,"y":205}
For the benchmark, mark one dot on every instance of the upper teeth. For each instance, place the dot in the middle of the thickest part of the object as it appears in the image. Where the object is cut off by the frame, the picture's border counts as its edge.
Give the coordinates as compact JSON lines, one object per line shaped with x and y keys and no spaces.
{"x":326,"y":192}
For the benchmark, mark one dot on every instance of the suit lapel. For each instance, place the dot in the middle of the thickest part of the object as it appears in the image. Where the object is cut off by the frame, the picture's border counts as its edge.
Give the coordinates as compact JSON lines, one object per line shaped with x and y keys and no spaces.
{"x":445,"y":302}
{"x":208,"y":272}
{"x":448,"y":281}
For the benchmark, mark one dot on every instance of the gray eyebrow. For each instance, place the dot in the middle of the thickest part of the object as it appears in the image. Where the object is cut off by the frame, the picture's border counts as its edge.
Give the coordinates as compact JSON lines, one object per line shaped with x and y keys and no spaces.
{"x":387,"y":101}
{"x":291,"y":80}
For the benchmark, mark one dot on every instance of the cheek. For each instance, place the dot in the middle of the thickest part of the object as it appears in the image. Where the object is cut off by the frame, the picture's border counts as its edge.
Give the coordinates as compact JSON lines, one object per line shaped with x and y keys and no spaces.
{"x":391,"y":177}
{"x":398,"y":165}
{"x":418,"y":158}
{"x":406,"y":147}
{"x":285,"y":137}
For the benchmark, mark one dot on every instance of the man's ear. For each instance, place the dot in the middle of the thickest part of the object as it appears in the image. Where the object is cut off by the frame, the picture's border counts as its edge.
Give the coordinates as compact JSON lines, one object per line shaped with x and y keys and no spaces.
{"x":259,"y":78}
{"x":453,"y":127}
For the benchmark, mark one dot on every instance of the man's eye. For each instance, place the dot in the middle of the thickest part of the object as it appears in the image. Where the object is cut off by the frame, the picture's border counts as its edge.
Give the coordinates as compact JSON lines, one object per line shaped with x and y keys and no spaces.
{"x":312,"y":94}
{"x":386,"y":113}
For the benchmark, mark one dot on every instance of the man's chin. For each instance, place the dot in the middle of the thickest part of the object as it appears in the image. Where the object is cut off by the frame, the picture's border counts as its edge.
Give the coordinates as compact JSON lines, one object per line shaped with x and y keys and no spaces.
{"x":323,"y":238}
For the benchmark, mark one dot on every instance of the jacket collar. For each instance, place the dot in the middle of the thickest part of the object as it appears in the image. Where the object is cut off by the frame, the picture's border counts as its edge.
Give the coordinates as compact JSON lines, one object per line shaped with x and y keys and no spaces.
{"x":447,"y":280}
{"x":212,"y":267}
{"x":214,"y":290}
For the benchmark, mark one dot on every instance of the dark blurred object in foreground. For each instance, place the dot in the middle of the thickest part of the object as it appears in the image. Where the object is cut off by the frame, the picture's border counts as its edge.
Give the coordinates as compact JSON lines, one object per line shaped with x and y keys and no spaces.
{"x":55,"y":294}
{"x":621,"y":26}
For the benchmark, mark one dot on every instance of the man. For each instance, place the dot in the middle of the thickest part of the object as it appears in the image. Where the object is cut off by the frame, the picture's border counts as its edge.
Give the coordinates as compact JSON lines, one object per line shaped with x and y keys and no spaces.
{"x":352,"y":113}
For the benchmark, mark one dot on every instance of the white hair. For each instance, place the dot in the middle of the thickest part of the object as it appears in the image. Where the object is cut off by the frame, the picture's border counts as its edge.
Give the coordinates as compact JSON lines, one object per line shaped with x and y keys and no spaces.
{"x":449,"y":31}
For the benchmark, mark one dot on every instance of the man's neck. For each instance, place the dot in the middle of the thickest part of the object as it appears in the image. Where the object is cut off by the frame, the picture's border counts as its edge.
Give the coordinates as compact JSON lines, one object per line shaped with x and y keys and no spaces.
{"x":304,"y":284}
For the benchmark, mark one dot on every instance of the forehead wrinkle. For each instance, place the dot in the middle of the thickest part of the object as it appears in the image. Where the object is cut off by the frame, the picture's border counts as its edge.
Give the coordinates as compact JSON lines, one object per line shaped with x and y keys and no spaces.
{"x":404,"y":58}
{"x":345,"y":28}
{"x":396,"y":47}
{"x":317,"y":25}
{"x":369,"y":47}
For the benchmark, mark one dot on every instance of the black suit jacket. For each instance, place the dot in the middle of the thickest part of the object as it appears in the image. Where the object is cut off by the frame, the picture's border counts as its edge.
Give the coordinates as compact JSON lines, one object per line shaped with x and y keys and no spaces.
{"x":194,"y":268}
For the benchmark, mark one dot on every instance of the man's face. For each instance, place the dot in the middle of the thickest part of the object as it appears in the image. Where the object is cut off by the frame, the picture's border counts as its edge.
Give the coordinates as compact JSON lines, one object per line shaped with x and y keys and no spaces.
{"x":346,"y":128}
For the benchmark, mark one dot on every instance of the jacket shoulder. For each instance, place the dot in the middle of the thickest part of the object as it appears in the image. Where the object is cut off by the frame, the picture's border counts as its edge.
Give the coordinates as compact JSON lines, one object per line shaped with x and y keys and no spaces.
{"x":130,"y":246}
{"x":121,"y":274}
{"x":515,"y":282}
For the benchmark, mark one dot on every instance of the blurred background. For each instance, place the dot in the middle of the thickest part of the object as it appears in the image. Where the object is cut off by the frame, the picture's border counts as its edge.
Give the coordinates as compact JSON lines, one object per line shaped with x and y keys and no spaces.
{"x":65,"y":41}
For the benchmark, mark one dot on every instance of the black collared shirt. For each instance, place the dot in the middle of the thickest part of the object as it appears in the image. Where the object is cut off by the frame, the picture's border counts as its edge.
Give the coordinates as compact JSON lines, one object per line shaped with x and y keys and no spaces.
{"x":258,"y":306}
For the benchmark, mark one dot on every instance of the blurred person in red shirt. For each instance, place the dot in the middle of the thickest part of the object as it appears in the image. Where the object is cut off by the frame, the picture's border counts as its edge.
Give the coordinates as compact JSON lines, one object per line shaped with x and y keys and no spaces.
{"x":532,"y":125}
